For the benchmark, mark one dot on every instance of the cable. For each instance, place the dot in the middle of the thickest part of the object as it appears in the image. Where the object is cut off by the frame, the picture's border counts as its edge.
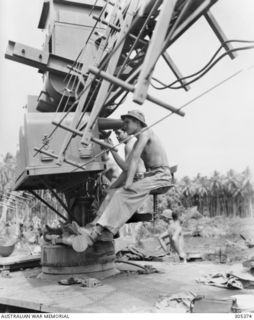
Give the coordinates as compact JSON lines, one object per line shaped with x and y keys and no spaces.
{"x":183,"y":78}
{"x":215,"y":62}
{"x":206,"y":66}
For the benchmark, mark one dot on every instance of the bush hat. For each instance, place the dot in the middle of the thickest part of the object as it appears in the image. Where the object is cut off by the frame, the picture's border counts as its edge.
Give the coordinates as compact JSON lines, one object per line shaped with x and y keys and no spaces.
{"x":136,"y":115}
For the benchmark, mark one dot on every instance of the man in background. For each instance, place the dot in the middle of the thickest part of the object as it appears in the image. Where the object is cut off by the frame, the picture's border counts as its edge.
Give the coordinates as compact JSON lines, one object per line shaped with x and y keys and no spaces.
{"x":173,"y":237}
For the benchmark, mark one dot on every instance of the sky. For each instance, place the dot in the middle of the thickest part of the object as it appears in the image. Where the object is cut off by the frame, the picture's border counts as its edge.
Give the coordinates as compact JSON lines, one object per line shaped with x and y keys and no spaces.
{"x":217,"y":132}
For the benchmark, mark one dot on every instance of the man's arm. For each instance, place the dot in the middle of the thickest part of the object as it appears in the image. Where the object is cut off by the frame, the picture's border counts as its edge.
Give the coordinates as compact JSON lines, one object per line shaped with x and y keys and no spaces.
{"x":162,"y":241}
{"x":121,"y":163}
{"x":128,"y":147}
{"x":119,"y":182}
{"x":135,"y":156}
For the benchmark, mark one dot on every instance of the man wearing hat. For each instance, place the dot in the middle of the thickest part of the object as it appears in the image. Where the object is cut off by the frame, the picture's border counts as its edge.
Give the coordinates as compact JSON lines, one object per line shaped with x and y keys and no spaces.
{"x":128,"y":142}
{"x":122,"y":202}
{"x":174,"y":235}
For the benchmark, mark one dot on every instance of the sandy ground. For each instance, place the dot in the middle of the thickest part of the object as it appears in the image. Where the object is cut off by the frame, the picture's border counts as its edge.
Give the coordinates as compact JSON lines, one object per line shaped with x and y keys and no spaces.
{"x":219,"y":244}
{"x":215,"y":239}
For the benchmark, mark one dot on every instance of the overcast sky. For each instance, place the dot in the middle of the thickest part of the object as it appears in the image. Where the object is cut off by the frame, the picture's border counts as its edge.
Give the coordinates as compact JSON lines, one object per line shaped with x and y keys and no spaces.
{"x":217,"y":132}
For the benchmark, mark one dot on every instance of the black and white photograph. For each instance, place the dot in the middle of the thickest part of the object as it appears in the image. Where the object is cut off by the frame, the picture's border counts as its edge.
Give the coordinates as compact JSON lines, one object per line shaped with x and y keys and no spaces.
{"x":126,"y":158}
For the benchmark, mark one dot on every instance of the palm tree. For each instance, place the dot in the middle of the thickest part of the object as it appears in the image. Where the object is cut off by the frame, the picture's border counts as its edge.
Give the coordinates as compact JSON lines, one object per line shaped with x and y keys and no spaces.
{"x":227,"y":195}
{"x":246,"y":191}
{"x":215,"y":190}
{"x":7,"y":173}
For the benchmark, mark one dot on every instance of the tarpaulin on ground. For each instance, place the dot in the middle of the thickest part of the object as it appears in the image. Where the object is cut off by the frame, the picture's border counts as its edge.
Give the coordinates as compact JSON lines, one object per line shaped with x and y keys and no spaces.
{"x":133,"y":253}
{"x":234,"y":279}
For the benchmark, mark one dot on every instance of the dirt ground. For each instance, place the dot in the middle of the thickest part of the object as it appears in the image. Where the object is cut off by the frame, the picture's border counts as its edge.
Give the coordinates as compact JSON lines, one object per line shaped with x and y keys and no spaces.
{"x":216,"y":239}
{"x":221,"y":237}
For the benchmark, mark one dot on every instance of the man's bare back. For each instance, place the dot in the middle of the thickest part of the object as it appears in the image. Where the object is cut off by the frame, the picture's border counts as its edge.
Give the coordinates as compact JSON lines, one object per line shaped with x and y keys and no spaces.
{"x":147,"y":147}
{"x":153,"y":153}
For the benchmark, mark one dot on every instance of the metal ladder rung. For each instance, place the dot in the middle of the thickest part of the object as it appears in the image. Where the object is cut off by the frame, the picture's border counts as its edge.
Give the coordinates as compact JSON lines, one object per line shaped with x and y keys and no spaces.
{"x":80,"y":133}
{"x":131,"y":88}
{"x":103,"y":144}
{"x":74,"y":131}
{"x":118,"y":29}
{"x":77,"y":71}
{"x":109,"y":2}
{"x":142,"y":41}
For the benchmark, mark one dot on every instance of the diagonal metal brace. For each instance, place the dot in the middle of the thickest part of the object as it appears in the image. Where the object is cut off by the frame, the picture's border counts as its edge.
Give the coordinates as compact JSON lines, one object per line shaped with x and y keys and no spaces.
{"x":48,"y":205}
{"x":219,"y":33}
{"x":131,"y":88}
{"x":175,"y":70}
{"x":80,"y":133}
{"x":155,"y":45}
{"x":59,"y":200}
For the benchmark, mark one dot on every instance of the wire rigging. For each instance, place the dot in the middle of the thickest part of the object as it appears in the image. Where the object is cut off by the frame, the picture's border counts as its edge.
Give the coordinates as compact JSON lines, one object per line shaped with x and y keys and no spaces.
{"x":103,"y":64}
{"x":206,"y":68}
{"x":70,"y":187}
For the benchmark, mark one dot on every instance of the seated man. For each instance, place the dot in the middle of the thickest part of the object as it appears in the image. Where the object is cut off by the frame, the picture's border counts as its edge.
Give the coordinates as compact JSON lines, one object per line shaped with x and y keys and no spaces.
{"x":105,"y":179}
{"x":128,"y":141}
{"x":122,"y":201}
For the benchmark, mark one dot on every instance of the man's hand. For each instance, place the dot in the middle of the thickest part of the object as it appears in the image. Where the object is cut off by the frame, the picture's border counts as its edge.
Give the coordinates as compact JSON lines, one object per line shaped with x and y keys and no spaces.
{"x":128,"y":187}
{"x":109,"y":141}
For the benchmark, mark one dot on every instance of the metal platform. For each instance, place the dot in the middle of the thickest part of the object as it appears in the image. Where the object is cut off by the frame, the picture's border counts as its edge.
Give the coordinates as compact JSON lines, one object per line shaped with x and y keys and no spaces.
{"x":125,"y":292}
{"x":13,"y":263}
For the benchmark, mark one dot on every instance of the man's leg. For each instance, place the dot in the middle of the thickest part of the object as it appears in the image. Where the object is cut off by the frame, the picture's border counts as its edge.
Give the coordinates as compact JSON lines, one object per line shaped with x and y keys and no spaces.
{"x":120,"y":206}
{"x":177,"y":244}
{"x":104,"y":203}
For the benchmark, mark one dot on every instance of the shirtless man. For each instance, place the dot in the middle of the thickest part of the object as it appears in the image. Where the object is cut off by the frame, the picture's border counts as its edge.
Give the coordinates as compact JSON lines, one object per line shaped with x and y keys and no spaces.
{"x":125,"y":200}
{"x":174,"y":234}
{"x":128,"y":141}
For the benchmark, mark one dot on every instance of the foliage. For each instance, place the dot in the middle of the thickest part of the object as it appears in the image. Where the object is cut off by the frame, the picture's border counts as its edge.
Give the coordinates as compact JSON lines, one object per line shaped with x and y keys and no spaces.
{"x":21,"y":207}
{"x":227,"y":195}
{"x":7,"y":173}
{"x":219,"y":195}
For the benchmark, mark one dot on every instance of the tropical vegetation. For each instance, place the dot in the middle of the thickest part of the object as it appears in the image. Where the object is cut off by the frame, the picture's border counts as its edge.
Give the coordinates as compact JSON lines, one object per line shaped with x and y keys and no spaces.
{"x":229,"y":195}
